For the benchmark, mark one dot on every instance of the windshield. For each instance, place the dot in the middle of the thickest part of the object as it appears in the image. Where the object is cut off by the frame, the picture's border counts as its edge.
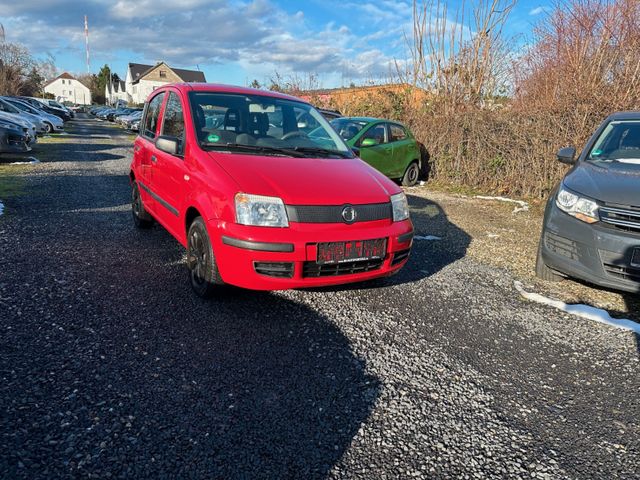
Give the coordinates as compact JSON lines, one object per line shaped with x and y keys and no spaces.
{"x":618,"y":142}
{"x":7,"y":107}
{"x":348,"y":128}
{"x":263,"y":125}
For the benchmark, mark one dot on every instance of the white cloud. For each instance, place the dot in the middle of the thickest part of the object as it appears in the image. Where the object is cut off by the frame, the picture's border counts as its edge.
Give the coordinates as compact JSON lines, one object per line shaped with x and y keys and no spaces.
{"x":538,"y":10}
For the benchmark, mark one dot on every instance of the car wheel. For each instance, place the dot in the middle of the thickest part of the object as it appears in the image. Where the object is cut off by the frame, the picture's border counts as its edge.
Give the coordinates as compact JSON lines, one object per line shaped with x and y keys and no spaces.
{"x":544,"y":272}
{"x":411,"y":175}
{"x":141,"y":217}
{"x":203,"y":271}
{"x":48,"y":128}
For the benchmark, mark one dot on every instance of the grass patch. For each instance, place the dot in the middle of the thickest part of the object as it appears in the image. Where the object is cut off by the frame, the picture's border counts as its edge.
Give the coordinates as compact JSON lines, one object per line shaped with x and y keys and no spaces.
{"x":11,"y":181}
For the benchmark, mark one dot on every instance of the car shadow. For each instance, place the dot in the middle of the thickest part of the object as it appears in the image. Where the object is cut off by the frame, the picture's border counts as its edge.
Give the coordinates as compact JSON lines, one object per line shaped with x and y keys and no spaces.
{"x":250,"y":385}
{"x":437,"y":243}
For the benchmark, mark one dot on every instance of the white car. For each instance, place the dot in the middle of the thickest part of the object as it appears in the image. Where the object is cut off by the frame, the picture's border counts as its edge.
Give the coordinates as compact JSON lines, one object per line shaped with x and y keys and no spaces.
{"x":36,"y":120}
{"x":53,"y":123}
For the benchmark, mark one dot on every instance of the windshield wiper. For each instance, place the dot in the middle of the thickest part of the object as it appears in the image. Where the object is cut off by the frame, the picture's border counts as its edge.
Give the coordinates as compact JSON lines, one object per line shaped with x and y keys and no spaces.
{"x":255,"y":148}
{"x":325,"y":151}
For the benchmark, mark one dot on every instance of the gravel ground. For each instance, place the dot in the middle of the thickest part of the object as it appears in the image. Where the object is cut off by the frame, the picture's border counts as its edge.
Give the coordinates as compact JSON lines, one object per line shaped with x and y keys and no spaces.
{"x":112,"y":368}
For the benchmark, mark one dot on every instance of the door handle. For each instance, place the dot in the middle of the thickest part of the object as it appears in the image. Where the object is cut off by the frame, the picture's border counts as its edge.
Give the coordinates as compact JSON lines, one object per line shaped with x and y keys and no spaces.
{"x":154,"y":159}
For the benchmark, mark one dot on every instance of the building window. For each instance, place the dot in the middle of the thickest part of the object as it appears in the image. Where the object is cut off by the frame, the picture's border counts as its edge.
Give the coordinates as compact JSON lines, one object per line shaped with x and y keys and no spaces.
{"x":163,"y":74}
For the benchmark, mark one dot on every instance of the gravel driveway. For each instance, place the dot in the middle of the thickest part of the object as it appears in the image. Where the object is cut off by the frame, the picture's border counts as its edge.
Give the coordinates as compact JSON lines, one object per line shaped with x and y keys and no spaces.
{"x":112,"y":368}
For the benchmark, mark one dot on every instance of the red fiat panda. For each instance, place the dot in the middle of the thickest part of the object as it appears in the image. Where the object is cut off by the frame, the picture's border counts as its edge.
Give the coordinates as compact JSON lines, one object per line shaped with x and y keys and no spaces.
{"x":262,"y":192}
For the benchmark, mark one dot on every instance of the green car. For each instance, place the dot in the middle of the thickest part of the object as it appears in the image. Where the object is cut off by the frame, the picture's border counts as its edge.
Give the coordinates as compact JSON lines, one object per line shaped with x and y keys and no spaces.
{"x":386,"y":145}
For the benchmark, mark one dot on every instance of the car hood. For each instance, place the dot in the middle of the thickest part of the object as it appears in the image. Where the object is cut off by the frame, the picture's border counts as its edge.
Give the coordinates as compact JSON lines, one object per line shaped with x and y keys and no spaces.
{"x":17,"y":119}
{"x":607,"y":182}
{"x":308,"y":181}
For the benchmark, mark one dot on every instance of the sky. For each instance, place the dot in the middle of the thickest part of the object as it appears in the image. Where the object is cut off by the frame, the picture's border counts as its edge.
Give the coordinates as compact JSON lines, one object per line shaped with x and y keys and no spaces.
{"x":233,"y":41}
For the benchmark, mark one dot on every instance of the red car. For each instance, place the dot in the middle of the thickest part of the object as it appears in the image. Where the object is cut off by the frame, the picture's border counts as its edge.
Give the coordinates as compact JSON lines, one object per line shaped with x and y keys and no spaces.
{"x":262,"y":192}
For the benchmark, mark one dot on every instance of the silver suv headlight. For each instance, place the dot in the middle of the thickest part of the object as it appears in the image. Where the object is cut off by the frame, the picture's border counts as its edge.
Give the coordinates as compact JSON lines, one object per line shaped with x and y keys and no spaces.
{"x":400,"y":207}
{"x":582,"y":208}
{"x":260,"y":211}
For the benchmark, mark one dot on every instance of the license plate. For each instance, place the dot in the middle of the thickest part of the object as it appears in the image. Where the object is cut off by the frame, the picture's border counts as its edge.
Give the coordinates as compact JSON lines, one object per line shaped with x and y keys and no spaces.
{"x":635,"y":258}
{"x":341,"y":252}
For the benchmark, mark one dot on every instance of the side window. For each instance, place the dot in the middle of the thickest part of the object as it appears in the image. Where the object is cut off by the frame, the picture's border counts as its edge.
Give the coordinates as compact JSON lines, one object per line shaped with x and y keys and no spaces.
{"x":377,"y":132}
{"x":397,"y":133}
{"x":151,"y":116}
{"x":173,"y":119}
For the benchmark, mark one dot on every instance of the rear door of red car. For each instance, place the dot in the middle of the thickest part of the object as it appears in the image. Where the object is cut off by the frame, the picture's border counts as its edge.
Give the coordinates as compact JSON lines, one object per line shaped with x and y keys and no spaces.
{"x":144,"y":152}
{"x":170,"y":173}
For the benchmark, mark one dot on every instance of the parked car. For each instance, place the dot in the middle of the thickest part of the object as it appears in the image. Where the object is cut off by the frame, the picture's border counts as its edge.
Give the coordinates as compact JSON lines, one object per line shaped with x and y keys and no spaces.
{"x":52,"y":123}
{"x":13,"y":139}
{"x":127,"y":120}
{"x":55,"y":104}
{"x":134,"y":126}
{"x":591,"y":227}
{"x":52,"y":110}
{"x":25,"y":126}
{"x":330,"y":114}
{"x":257,"y":210}
{"x":385,"y":145}
{"x":36,"y":120}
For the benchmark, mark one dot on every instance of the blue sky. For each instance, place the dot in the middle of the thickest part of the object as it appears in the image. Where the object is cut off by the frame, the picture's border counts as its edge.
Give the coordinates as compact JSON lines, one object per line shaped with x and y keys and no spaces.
{"x":232,"y":41}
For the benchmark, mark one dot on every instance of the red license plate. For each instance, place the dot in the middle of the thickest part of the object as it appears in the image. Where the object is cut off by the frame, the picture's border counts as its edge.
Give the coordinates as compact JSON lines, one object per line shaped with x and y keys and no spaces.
{"x":341,"y":252}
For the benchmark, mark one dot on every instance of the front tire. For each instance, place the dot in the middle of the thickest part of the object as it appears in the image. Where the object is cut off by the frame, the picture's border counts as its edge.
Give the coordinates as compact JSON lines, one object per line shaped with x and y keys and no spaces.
{"x":48,"y":128}
{"x":544,"y":272}
{"x":411,"y":175}
{"x":203,"y":272}
{"x":141,"y":218}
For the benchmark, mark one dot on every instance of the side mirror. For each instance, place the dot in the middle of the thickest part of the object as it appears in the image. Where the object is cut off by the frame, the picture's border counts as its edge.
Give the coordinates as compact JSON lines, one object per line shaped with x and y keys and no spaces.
{"x":167,"y":144}
{"x":369,"y":142}
{"x":567,"y":155}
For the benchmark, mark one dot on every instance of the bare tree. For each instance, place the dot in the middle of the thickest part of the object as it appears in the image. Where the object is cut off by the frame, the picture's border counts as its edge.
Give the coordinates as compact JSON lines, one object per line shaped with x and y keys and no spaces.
{"x":15,"y":65}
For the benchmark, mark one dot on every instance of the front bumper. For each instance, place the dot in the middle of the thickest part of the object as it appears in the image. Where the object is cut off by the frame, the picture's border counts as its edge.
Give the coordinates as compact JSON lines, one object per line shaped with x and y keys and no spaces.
{"x":14,"y":144}
{"x":241,"y":250}
{"x":596,"y":253}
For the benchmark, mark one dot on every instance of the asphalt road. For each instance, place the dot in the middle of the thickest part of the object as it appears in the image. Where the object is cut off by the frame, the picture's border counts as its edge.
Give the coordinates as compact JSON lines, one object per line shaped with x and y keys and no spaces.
{"x":111,"y":368}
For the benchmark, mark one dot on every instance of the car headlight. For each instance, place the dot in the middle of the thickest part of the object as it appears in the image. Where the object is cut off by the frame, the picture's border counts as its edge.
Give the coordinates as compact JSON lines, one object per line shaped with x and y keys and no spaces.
{"x":400,"y":207}
{"x":582,"y":208}
{"x":260,"y":211}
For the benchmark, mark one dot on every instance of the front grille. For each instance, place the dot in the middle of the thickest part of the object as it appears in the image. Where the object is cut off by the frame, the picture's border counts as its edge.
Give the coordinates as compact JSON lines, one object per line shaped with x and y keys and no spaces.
{"x":333,"y":213}
{"x":621,"y":217}
{"x":274,"y":269}
{"x":313,"y":269}
{"x":622,"y":272}
{"x":561,"y":246}
{"x":400,"y":256}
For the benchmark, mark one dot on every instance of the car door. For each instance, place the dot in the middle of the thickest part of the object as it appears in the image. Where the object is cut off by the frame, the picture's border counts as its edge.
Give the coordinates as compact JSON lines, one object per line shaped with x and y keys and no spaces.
{"x":378,"y":155}
{"x":170,"y":174}
{"x":144,"y":157}
{"x":403,"y":149}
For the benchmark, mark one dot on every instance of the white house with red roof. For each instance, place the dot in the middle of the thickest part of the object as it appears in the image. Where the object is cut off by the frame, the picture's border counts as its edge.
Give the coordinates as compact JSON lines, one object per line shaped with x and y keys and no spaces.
{"x":67,"y":88}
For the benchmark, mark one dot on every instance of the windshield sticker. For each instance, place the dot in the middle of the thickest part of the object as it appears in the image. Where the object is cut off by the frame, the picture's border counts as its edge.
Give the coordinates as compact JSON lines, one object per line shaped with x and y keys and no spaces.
{"x":596,"y":153}
{"x":213,"y":138}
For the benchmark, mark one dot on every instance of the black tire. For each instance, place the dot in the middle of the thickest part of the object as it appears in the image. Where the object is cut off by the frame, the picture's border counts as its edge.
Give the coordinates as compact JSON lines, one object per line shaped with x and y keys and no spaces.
{"x":203,"y":272}
{"x":544,"y":272}
{"x":411,"y":175}
{"x":48,"y":128}
{"x":141,"y":218}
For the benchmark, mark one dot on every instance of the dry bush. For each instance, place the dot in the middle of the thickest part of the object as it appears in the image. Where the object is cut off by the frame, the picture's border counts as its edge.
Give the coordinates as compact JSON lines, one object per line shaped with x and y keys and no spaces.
{"x":584,"y":63}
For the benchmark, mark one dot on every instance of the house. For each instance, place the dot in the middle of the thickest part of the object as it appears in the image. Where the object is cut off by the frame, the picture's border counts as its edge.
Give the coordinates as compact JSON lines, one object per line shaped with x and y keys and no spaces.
{"x":141,"y":80}
{"x":67,"y":88}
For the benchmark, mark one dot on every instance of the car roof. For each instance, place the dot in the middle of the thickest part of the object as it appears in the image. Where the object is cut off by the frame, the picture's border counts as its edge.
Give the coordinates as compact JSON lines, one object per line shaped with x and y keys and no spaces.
{"x":627,"y":115}
{"x":370,"y":120}
{"x":222,"y":88}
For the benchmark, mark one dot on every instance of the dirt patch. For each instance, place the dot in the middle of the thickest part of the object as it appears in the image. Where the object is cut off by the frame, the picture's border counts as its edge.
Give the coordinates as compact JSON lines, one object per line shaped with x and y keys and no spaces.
{"x":502,"y":238}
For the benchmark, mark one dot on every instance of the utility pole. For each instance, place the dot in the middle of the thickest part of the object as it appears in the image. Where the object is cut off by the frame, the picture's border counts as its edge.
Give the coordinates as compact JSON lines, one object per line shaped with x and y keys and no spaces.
{"x":86,"y":41}
{"x":1,"y":33}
